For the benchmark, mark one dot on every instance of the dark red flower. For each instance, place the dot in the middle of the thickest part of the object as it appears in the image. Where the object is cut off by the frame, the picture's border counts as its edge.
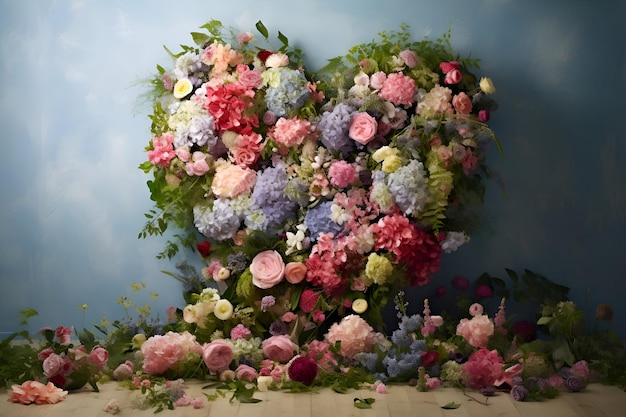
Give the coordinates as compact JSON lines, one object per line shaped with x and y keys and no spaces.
{"x":430,"y":357}
{"x":264,"y":54}
{"x":440,"y":291}
{"x":204,"y":248}
{"x":525,"y":331}
{"x":484,"y":291}
{"x":303,"y":369}
{"x":460,"y":283}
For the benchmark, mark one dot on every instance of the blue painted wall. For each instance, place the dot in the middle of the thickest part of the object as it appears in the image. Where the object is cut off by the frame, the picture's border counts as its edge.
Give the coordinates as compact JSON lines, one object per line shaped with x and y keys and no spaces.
{"x":72,"y":199}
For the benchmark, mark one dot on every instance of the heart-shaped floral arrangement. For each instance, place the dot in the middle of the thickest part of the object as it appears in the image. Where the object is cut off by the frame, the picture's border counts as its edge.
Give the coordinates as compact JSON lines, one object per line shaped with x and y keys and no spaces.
{"x":313,"y":196}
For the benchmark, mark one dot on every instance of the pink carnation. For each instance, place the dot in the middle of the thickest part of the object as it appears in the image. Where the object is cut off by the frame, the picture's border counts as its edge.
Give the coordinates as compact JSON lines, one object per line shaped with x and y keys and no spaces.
{"x":233,"y":180}
{"x":240,"y":332}
{"x":483,"y":369}
{"x":163,"y":150}
{"x":291,"y":132}
{"x":398,"y":89}
{"x":355,"y":334}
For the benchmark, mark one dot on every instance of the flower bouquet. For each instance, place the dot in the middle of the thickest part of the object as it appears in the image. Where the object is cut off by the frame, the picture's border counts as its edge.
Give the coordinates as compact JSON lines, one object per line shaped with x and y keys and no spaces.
{"x":313,"y":197}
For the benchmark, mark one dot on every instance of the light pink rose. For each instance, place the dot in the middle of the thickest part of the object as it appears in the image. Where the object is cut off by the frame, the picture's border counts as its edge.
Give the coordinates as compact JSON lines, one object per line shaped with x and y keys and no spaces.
{"x":217,"y":355}
{"x":198,"y":165}
{"x":99,"y":356}
{"x":52,"y":365}
{"x":267,"y":269}
{"x":233,"y":180}
{"x":409,"y":58}
{"x":476,"y":331}
{"x":363,"y":128}
{"x":462,"y":103}
{"x":279,"y":348}
{"x":246,"y":373}
{"x":453,"y":77}
{"x":295,"y":272}
{"x":251,"y":78}
{"x":475,"y":309}
{"x":377,"y":80}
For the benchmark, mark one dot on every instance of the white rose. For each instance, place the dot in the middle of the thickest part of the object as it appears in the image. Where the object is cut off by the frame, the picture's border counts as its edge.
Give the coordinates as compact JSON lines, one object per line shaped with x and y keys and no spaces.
{"x":182,"y":88}
{"x":223,"y":309}
{"x":486,"y":85}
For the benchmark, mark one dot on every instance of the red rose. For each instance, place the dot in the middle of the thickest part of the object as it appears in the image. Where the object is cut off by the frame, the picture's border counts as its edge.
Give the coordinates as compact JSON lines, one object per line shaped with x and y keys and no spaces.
{"x":484,"y":291}
{"x":430,"y":358}
{"x":264,"y":54}
{"x":204,"y":248}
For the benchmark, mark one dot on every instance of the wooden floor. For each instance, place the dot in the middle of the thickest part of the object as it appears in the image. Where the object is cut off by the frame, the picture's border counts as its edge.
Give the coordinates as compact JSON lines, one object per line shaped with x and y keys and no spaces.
{"x":596,"y":401}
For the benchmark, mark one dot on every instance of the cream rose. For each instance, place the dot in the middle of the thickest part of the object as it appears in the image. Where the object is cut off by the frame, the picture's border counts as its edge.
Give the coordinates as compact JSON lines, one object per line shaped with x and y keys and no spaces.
{"x":267,"y":269}
{"x":182,"y":88}
{"x":295,"y":272}
{"x":277,"y":60}
{"x":363,"y":128}
{"x":359,"y":305}
{"x":486,"y":85}
{"x":223,"y":309}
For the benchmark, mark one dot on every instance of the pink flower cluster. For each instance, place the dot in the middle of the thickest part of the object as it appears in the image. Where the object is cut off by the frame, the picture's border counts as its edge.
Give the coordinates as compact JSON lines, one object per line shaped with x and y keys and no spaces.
{"x":355,"y":334}
{"x":478,"y":330}
{"x":162,"y":352}
{"x":483,"y":369}
{"x":162,"y":152}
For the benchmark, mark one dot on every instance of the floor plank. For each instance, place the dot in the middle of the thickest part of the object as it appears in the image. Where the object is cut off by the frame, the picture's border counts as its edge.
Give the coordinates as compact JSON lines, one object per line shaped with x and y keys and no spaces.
{"x":596,"y":401}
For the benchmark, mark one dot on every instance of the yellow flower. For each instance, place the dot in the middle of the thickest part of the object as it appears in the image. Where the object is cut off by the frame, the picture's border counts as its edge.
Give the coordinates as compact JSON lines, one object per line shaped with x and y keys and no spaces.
{"x":223,"y":309}
{"x":391,"y":164}
{"x":487,"y":85}
{"x":384,"y":152}
{"x":138,"y":340}
{"x":182,"y":88}
{"x":359,"y":305}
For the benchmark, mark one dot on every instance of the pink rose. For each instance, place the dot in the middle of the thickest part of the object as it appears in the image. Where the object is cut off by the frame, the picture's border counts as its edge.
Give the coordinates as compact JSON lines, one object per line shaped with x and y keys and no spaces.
{"x":233,"y":180}
{"x":251,"y":78}
{"x":279,"y":348}
{"x":198,"y":165}
{"x":377,"y":80}
{"x":42,"y":355}
{"x":409,"y":58}
{"x":217,"y":355}
{"x":476,"y":309}
{"x":295,"y":272}
{"x":52,"y":365}
{"x":246,"y":373}
{"x":447,"y":67}
{"x":453,"y":77}
{"x":63,"y":335}
{"x":267,"y":269}
{"x":124,"y":371}
{"x":363,"y":128}
{"x":483,"y":115}
{"x":462,"y":103}
{"x":99,"y":356}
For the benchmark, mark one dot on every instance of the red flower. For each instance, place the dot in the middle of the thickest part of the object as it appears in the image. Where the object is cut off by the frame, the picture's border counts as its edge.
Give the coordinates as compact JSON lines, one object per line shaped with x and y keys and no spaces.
{"x":264,"y":54}
{"x":460,"y":283}
{"x":484,"y":291}
{"x":430,"y":358}
{"x":204,"y":248}
{"x":525,"y":331}
{"x":303,"y":369}
{"x":308,"y":300}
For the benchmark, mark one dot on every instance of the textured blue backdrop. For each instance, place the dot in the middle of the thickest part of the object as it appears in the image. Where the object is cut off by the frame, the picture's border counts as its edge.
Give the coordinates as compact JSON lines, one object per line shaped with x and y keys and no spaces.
{"x":72,"y":198}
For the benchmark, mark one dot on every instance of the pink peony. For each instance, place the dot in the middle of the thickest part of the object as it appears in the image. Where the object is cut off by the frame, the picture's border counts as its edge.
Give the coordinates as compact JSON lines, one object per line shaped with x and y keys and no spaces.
{"x":217,"y":355}
{"x":476,"y":331}
{"x":355,"y":334}
{"x":162,"y":352}
{"x":246,"y":373}
{"x":363,"y":128}
{"x":233,"y":180}
{"x":409,"y":57}
{"x":295,"y":272}
{"x":399,"y":89}
{"x":267,"y":269}
{"x":279,"y":348}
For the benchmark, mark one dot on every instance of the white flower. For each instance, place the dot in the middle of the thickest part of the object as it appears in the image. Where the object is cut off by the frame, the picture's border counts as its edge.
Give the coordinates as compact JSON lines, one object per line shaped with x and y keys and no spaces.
{"x":277,"y":60}
{"x":338,"y":214}
{"x":294,"y":241}
{"x":223,"y":309}
{"x":359,"y":305}
{"x":487,"y":85}
{"x":182,"y":88}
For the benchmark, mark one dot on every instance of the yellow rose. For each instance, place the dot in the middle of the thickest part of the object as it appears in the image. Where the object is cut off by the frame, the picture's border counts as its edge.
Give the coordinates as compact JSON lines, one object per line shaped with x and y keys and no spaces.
{"x":391,"y":163}
{"x":383,"y":153}
{"x":223,"y":309}
{"x":359,"y":305}
{"x":487,"y":85}
{"x":182,"y":88}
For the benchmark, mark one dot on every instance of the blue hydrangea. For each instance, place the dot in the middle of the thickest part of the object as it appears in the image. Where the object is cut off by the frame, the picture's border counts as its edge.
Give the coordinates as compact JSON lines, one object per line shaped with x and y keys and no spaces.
{"x":219,"y":222}
{"x":410,"y":323}
{"x":408,"y":185}
{"x":317,"y":220}
{"x":334,"y":127}
{"x":401,"y":338}
{"x":287,"y":91}
{"x":269,"y":196}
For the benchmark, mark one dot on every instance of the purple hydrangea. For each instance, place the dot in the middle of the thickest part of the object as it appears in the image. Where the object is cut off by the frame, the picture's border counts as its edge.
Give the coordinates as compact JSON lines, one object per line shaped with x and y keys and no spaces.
{"x":408,"y":185}
{"x":334,"y":127}
{"x":219,"y":222}
{"x":317,"y":220}
{"x":269,"y":196}
{"x":519,"y":392}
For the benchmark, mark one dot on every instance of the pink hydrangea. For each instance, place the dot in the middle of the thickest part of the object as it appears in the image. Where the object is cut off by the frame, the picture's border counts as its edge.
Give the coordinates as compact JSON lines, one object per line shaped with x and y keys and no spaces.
{"x":398,"y":89}
{"x":355,"y":334}
{"x":162,"y":352}
{"x":163,"y":150}
{"x":482,"y":369}
{"x":342,"y":174}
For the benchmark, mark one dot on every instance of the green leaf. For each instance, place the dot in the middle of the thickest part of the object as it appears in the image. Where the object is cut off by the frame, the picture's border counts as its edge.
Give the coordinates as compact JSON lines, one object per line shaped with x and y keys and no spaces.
{"x":544,"y":320}
{"x":283,"y":38}
{"x":363,"y":403}
{"x":262,"y":29}
{"x":200,"y":38}
{"x":451,"y":406}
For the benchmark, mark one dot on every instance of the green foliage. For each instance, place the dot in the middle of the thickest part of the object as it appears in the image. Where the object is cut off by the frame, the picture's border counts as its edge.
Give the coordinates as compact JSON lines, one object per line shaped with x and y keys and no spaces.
{"x":363,"y":403}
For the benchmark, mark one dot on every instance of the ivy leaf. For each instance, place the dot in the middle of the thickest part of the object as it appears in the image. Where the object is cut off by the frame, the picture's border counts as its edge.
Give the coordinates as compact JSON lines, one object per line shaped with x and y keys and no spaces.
{"x":363,"y":403}
{"x":451,"y":406}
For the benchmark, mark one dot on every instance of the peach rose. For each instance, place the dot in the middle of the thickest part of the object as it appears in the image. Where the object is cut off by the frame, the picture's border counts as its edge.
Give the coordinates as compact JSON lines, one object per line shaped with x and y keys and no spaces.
{"x":462,"y":103}
{"x":295,"y":272}
{"x":232,"y":180}
{"x":363,"y":128}
{"x":267,"y":269}
{"x":279,"y":348}
{"x":217,"y":355}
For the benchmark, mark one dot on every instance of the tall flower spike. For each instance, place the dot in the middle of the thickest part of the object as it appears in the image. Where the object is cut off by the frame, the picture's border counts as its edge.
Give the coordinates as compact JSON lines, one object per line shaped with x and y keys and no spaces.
{"x":500,"y":318}
{"x":428,"y":327}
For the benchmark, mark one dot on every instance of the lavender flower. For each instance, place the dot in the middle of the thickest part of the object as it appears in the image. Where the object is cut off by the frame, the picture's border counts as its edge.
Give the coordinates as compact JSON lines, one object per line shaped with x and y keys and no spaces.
{"x":267,"y":302}
{"x":408,"y":185}
{"x":219,"y":222}
{"x":519,"y":392}
{"x":334,"y":127}
{"x":269,"y":196}
{"x":317,"y":220}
